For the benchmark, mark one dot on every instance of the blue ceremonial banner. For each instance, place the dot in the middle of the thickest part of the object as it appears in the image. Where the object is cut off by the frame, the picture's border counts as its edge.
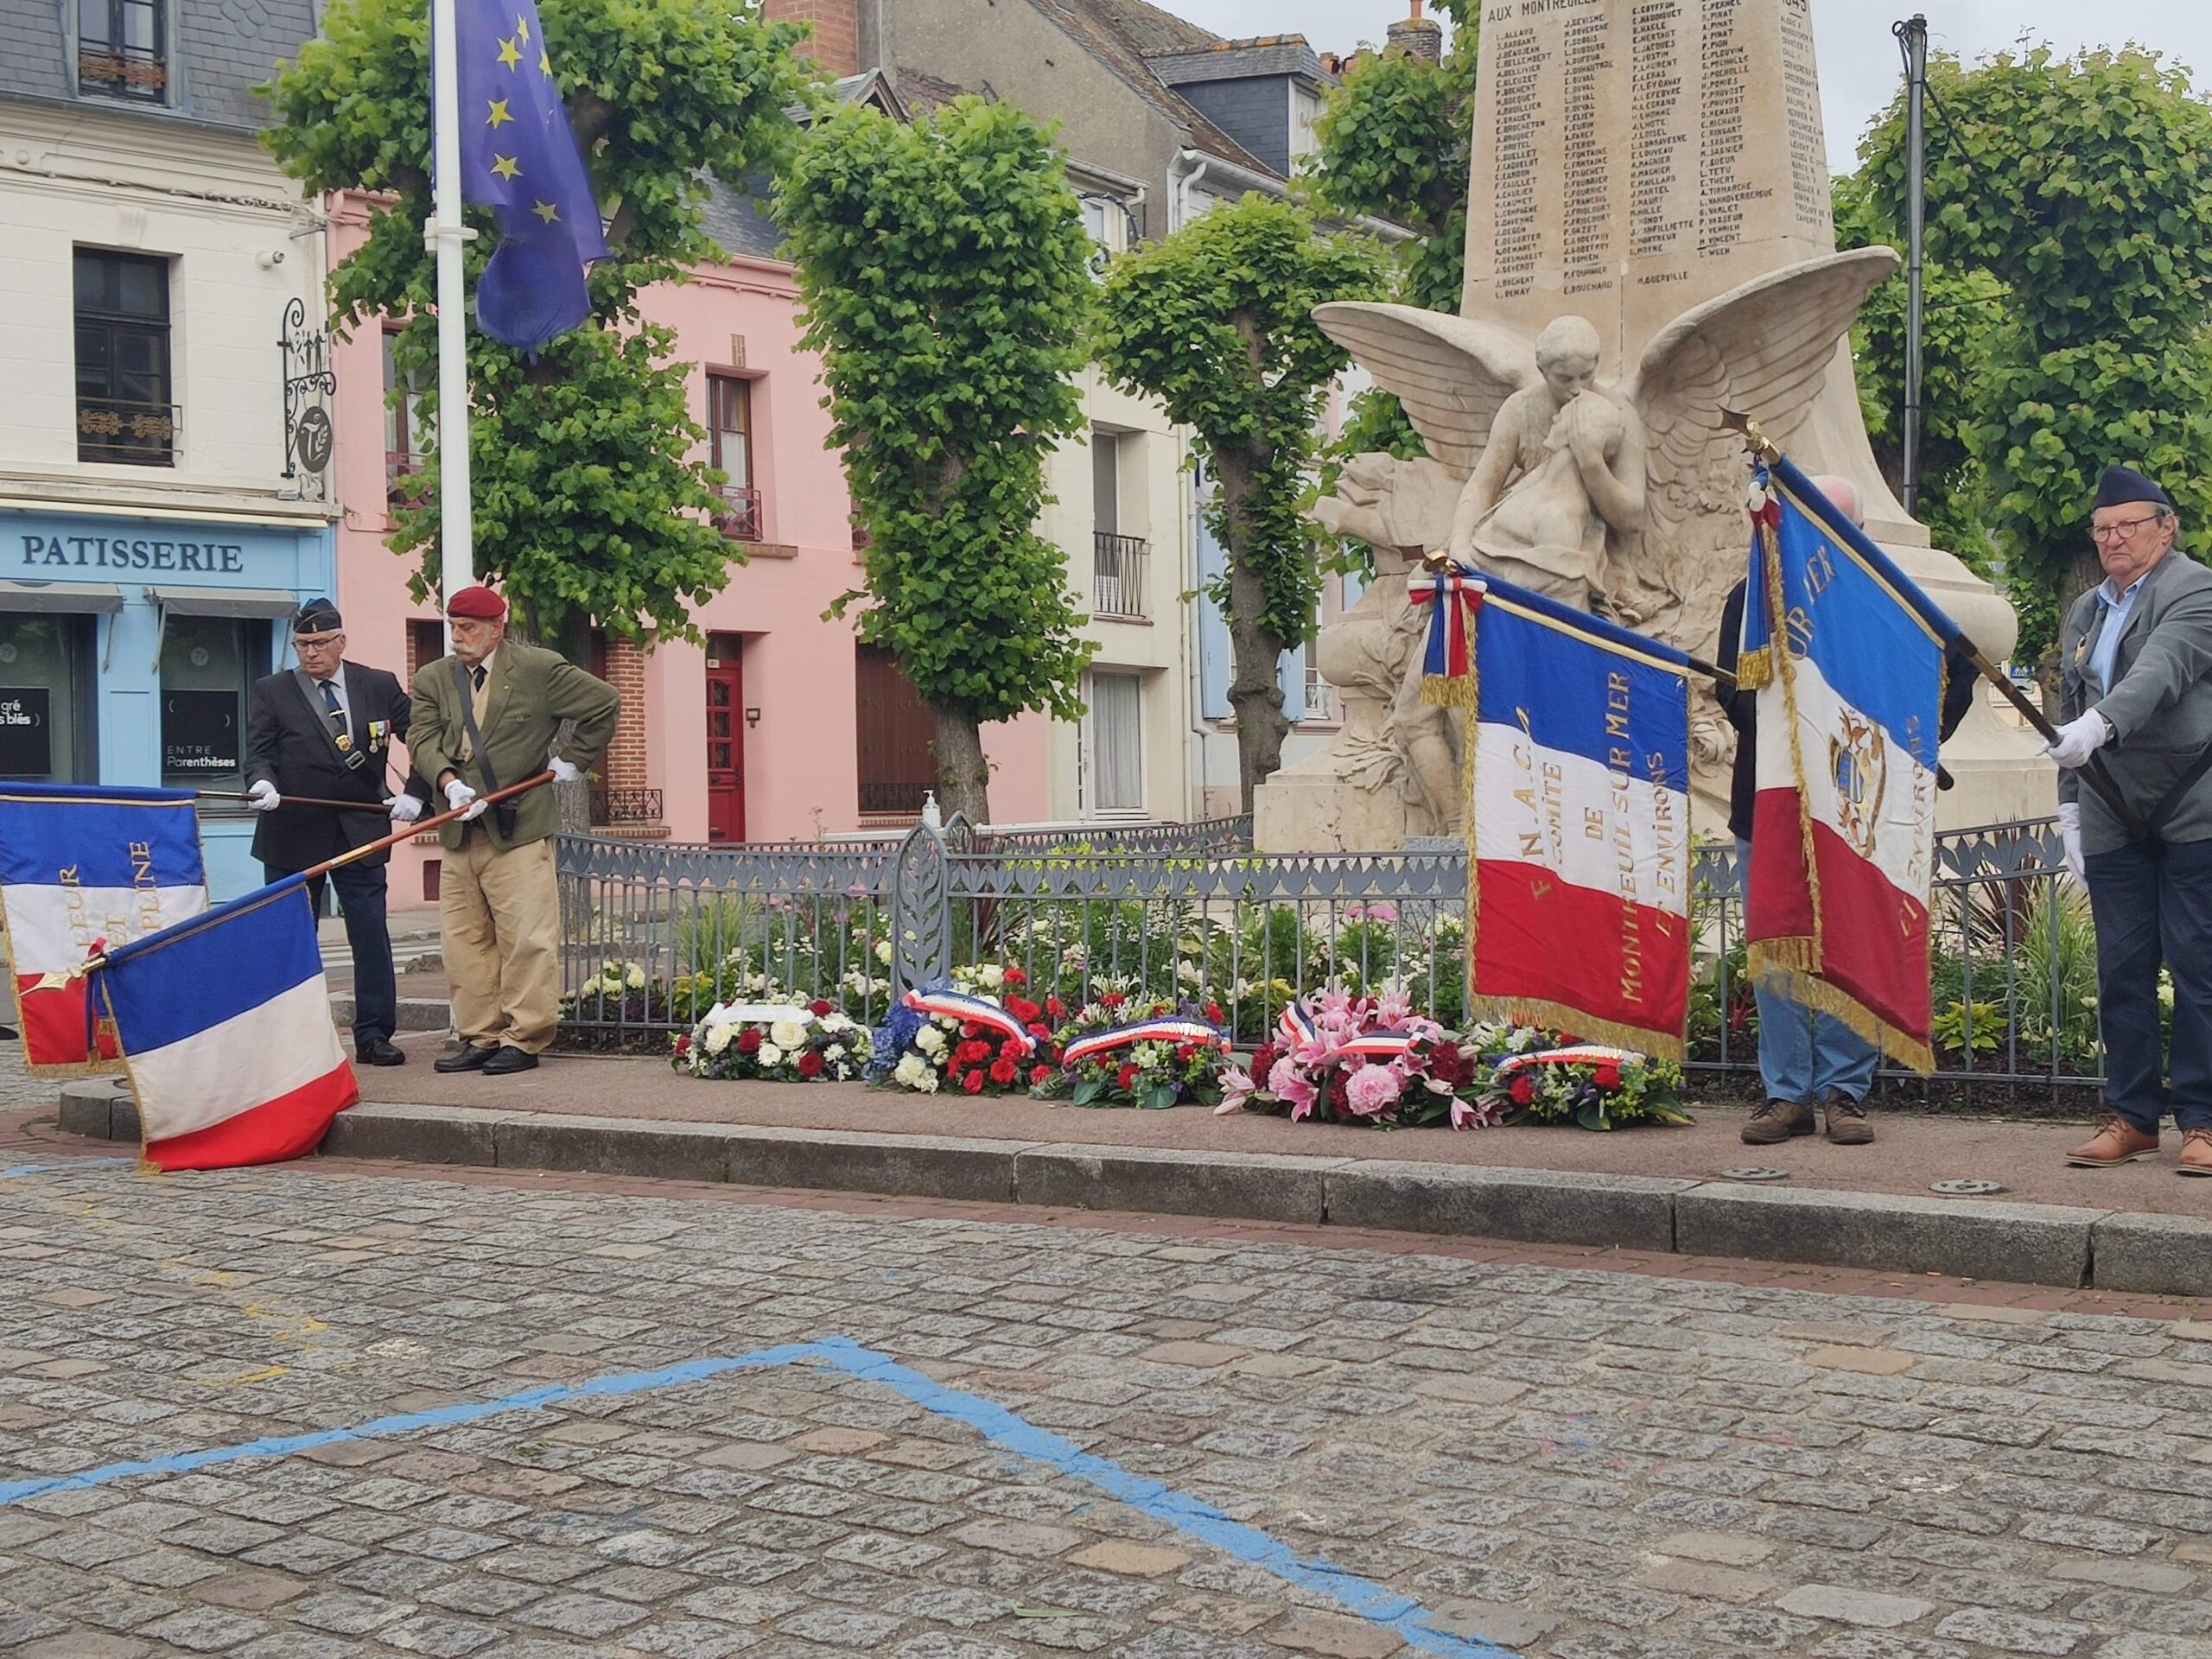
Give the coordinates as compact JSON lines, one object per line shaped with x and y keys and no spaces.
{"x":1578,"y":825}
{"x":518,"y":156}
{"x":1846,"y":655}
{"x":84,"y":868}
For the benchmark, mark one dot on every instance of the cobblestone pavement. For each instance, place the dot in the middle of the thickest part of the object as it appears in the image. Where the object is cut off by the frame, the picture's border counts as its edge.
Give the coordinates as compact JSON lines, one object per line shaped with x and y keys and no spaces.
{"x":1579,"y":1464}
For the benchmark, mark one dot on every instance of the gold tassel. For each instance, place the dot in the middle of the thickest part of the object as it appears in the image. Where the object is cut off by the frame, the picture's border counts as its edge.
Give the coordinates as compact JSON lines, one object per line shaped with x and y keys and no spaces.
{"x":1558,"y":1017}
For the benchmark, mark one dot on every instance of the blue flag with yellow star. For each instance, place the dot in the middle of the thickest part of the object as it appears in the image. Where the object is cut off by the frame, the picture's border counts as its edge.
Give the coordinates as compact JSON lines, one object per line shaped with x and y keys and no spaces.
{"x":518,"y":156}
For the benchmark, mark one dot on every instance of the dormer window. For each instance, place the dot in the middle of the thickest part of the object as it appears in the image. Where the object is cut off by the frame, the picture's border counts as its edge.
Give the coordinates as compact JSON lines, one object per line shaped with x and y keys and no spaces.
{"x":123,"y":49}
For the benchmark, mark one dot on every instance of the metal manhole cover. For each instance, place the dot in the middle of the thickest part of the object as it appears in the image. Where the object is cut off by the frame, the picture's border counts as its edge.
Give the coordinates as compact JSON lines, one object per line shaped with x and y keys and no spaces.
{"x":1754,"y":1174}
{"x":1964,"y":1189}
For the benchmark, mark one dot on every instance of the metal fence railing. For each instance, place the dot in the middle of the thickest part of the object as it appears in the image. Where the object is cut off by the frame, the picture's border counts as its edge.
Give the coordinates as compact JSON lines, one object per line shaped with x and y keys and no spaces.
{"x":1189,"y":913}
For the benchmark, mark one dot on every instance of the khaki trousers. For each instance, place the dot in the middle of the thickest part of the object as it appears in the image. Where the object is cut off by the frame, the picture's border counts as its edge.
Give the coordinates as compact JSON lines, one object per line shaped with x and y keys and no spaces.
{"x":502,"y":918}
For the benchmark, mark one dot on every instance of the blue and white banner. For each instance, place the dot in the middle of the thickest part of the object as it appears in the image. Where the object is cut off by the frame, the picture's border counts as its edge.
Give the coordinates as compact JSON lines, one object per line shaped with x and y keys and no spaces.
{"x":86,"y":869}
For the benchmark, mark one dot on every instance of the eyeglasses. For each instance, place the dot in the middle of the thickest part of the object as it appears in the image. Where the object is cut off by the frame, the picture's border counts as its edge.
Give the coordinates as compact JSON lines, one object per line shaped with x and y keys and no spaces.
{"x":318,"y":642}
{"x":2101,"y":534}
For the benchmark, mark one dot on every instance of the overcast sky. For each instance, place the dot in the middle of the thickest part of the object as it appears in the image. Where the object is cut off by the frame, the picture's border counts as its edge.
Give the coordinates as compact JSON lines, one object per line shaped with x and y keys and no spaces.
{"x":1859,"y":58}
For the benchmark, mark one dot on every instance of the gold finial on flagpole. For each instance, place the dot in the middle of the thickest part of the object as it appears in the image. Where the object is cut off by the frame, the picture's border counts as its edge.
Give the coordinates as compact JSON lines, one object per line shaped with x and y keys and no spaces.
{"x":1736,"y":420}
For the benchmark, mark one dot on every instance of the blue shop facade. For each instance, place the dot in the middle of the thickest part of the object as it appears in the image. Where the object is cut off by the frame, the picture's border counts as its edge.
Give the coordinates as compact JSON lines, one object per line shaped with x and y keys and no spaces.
{"x":128,"y":644}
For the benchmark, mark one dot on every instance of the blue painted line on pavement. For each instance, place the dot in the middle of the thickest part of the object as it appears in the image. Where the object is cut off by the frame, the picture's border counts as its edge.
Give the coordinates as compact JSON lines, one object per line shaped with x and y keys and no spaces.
{"x":73,"y":1163}
{"x":1378,"y":1603}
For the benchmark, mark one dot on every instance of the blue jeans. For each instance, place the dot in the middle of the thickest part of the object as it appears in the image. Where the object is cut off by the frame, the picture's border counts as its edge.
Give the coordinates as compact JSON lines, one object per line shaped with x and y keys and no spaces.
{"x":1802,"y":1054}
{"x":2152,"y":902}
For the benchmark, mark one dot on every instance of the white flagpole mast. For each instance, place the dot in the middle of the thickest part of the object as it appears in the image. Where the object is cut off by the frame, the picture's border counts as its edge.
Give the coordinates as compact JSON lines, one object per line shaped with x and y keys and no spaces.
{"x":445,"y":235}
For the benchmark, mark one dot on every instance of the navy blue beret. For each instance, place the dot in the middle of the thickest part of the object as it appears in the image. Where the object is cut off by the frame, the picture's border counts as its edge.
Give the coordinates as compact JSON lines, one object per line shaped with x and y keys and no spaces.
{"x":2122,"y":485}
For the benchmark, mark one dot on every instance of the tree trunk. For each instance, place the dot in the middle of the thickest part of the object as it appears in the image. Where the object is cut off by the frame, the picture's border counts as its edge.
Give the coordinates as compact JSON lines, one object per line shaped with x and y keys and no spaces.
{"x":573,"y":643}
{"x":1255,"y":691}
{"x":2081,"y":570}
{"x":963,"y":779}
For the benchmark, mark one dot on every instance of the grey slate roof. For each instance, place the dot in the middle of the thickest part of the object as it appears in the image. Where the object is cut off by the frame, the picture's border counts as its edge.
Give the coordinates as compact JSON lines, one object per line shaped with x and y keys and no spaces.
{"x":1283,"y":55}
{"x":737,"y":218}
{"x":219,"y":51}
{"x":1118,"y":33}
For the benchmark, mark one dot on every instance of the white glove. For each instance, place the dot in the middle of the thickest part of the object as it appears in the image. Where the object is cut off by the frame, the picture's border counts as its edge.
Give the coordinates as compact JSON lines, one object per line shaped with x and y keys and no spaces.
{"x":2078,"y":739}
{"x":2070,"y":830}
{"x":459,"y":795}
{"x":264,"y":798}
{"x":405,"y":809}
{"x":564,"y":771}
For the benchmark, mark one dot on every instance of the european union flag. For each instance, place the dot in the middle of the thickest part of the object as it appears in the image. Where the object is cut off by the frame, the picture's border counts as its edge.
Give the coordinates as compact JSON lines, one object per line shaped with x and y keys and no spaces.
{"x":517,"y":155}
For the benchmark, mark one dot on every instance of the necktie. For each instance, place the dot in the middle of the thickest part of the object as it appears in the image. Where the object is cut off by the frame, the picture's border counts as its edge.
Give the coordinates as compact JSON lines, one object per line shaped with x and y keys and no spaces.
{"x":332,"y":707}
{"x":477,"y":674}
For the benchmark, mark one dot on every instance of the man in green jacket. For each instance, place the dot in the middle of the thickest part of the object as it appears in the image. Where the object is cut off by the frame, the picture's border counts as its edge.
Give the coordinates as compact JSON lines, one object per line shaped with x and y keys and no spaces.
{"x":487,"y":717}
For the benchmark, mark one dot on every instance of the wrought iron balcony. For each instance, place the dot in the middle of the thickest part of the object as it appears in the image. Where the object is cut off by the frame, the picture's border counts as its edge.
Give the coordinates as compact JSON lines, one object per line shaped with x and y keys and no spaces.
{"x":121,"y":429}
{"x":740,"y":519}
{"x":1320,"y":696}
{"x":402,"y":486}
{"x":1118,"y":568}
{"x":132,"y":72}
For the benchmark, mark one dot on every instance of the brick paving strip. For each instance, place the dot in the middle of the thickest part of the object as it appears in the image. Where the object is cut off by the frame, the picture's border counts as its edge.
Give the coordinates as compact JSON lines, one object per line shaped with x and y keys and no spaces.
{"x":1570,"y":1464}
{"x":2138,"y":1229}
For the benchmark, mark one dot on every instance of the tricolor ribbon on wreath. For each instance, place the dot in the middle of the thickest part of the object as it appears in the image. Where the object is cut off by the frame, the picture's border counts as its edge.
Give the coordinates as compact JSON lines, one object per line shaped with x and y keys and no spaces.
{"x":1302,"y":1038}
{"x":1168,"y":1029}
{"x":1576,"y":1054}
{"x":955,"y":1005}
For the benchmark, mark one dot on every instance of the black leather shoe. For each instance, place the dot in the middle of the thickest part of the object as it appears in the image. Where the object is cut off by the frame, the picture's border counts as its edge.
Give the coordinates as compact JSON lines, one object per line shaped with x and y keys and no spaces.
{"x":505,"y":1059}
{"x":379,"y":1051}
{"x":468,"y":1059}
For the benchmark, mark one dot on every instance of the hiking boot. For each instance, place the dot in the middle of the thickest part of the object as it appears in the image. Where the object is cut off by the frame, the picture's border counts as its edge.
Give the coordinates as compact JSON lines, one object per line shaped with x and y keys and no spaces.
{"x":1847,"y":1124}
{"x":1775,"y":1120}
{"x":2116,"y":1141}
{"x":2196,"y":1153}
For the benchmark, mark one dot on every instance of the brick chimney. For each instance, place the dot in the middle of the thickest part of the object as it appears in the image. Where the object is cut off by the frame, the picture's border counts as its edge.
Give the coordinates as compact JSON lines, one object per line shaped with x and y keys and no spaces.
{"x":836,"y":43}
{"x":1418,"y":36}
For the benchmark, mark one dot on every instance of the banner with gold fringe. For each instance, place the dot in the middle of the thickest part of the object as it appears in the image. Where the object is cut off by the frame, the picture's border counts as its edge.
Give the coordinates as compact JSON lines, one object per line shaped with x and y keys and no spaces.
{"x":1846,"y":655}
{"x":1578,"y":821}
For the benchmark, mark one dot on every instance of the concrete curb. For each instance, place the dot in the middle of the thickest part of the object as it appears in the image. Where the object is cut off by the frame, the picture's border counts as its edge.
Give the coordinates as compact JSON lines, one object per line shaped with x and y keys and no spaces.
{"x":2019,"y":1243}
{"x":416,"y":1013}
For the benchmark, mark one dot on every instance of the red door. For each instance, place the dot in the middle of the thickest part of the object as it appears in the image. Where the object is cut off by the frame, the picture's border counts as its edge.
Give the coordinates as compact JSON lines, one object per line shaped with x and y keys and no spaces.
{"x":725,"y":738}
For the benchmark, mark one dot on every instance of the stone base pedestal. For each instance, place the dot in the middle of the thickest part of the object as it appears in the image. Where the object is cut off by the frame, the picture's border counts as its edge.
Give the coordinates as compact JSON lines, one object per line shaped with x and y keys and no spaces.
{"x":1314,"y":811}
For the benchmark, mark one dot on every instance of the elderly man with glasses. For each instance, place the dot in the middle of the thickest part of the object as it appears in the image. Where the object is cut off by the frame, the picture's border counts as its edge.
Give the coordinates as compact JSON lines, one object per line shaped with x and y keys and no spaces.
{"x":2137,"y":659}
{"x":325,"y":730}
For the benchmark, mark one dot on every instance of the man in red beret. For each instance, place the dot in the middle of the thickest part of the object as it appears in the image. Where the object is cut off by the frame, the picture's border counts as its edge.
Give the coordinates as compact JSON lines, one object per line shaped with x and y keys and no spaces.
{"x":485,"y":717}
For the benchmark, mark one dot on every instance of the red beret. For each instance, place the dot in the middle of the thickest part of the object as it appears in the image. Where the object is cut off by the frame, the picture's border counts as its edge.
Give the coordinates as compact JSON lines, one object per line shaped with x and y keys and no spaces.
{"x":480,"y":602}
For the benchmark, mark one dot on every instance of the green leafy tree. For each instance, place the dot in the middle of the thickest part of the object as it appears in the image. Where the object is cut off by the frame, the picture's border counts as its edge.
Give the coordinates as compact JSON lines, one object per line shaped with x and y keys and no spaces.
{"x":1395,"y":143}
{"x":1966,"y":321}
{"x":1217,"y":322}
{"x":588,"y":498}
{"x":2083,"y":186}
{"x":943,"y":267}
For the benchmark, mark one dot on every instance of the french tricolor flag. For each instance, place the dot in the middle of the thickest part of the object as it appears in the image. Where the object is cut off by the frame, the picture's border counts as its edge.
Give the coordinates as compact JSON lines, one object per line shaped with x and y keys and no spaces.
{"x":1578,"y":832}
{"x":225,"y":1028}
{"x":1847,"y":656}
{"x":86,"y":869}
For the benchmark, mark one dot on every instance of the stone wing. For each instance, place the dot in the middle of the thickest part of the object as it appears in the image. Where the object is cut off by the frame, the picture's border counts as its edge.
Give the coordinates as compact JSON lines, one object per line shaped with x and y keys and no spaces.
{"x":1452,"y":374}
{"x":1763,"y":350}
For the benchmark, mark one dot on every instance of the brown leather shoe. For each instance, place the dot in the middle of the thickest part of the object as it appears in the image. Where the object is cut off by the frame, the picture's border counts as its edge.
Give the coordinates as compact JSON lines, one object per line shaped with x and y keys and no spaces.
{"x":1846,"y":1119}
{"x":2116,"y":1141}
{"x":1775,"y":1120}
{"x":2195,"y":1154}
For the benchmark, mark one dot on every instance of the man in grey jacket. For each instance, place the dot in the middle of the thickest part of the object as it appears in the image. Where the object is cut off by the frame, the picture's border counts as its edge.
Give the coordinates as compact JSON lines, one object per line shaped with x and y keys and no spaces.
{"x":2136,"y":658}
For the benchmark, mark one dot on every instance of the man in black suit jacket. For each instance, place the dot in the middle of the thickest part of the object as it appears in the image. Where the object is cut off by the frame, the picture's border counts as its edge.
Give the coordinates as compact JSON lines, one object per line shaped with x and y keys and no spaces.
{"x":326,"y":729}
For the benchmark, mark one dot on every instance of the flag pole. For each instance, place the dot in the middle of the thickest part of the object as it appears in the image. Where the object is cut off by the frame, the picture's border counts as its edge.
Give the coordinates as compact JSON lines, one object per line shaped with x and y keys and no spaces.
{"x":63,"y":976}
{"x":446,"y":238}
{"x":293,"y":800}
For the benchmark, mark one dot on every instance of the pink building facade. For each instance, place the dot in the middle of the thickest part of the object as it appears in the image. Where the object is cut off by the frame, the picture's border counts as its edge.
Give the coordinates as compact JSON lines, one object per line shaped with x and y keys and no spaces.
{"x":780,"y":727}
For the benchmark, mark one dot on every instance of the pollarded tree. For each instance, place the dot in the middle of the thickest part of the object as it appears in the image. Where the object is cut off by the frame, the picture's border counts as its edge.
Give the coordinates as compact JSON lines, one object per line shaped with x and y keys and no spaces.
{"x":588,"y":500}
{"x":2083,"y":186}
{"x":943,"y":267}
{"x":1217,"y":322}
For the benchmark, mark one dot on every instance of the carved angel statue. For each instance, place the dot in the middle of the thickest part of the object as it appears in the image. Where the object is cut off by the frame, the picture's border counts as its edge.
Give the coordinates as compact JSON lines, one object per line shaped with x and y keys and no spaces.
{"x":1622,"y":498}
{"x":1613,"y":497}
